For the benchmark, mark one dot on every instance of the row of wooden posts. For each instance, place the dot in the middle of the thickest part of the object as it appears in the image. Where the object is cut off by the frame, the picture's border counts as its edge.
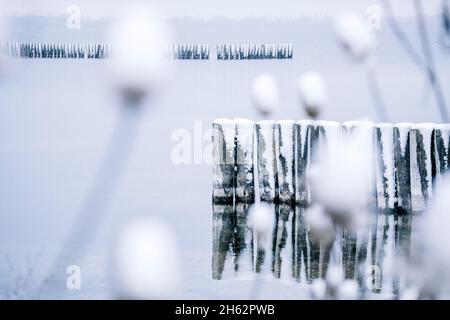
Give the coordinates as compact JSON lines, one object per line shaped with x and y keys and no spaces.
{"x":55,"y":50}
{"x":176,"y":51}
{"x":408,"y":160}
{"x":254,"y":51}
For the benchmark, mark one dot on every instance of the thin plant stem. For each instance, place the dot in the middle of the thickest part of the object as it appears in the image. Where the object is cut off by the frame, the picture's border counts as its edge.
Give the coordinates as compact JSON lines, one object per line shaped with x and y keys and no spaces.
{"x":402,"y":38}
{"x":100,"y":195}
{"x":427,"y":65}
{"x":431,"y":70}
{"x":375,"y":91}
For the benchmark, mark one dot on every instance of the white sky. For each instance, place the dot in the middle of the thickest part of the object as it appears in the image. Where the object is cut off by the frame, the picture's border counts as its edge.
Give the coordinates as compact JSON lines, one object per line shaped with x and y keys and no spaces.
{"x":210,"y":8}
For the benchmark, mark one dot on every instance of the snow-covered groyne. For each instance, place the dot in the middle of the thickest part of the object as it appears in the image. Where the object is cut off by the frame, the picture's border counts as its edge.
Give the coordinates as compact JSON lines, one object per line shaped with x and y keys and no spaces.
{"x":55,"y":50}
{"x":273,"y":160}
{"x":254,"y":51}
{"x":184,"y":51}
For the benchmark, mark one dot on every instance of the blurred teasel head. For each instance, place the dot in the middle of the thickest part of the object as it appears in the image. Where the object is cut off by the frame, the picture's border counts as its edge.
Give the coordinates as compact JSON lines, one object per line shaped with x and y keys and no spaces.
{"x":265,"y":94}
{"x":340,"y":179}
{"x":260,"y":220}
{"x":312,"y":91}
{"x":146,"y":261}
{"x":139,"y":65}
{"x":320,"y":224}
{"x":429,"y":265}
{"x":355,"y":36}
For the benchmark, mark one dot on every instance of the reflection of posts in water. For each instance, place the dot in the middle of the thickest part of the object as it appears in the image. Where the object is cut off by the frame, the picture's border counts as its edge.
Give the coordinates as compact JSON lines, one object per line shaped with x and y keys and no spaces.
{"x":368,"y":256}
{"x":349,"y":253}
{"x":376,"y":251}
{"x":242,"y":245}
{"x":301,"y":247}
{"x":263,"y":247}
{"x":232,"y":250}
{"x":402,"y":244}
{"x":390,"y":243}
{"x":223,"y":237}
{"x":283,"y":243}
{"x":319,"y":258}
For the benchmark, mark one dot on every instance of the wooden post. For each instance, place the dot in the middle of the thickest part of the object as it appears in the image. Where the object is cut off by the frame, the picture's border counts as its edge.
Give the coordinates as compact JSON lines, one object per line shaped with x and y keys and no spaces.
{"x":223,"y":138}
{"x":402,"y":166}
{"x":245,"y":189}
{"x":267,"y":132}
{"x":286,"y":161}
{"x":385,"y":175}
{"x":421,"y":156}
{"x":306,"y":136}
{"x":441,"y":147}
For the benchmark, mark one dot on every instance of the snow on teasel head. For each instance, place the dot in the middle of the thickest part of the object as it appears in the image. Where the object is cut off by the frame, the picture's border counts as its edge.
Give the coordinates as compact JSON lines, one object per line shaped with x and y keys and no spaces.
{"x":320,"y":224}
{"x":432,"y":263}
{"x":340,"y":179}
{"x":261,"y":221}
{"x":265,"y":94}
{"x":313,"y":93}
{"x":334,"y":286}
{"x":138,"y":64}
{"x":146,"y":261}
{"x":354,"y":35}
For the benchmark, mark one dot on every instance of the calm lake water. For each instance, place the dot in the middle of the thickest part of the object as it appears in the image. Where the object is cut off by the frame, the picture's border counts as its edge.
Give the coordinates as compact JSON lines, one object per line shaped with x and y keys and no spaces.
{"x":57,"y":118}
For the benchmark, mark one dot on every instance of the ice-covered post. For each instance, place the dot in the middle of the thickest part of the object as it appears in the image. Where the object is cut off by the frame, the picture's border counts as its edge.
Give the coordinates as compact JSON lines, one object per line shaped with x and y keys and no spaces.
{"x":223,"y":139}
{"x":385,"y":175}
{"x":402,"y":166}
{"x":245,"y":136}
{"x":421,"y":157}
{"x":286,"y":161}
{"x":267,"y":141}
{"x":441,"y":147}
{"x":306,"y":137}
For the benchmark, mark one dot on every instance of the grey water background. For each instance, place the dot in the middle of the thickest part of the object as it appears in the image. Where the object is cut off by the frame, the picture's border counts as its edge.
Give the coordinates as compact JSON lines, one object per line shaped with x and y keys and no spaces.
{"x":56,"y":118}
